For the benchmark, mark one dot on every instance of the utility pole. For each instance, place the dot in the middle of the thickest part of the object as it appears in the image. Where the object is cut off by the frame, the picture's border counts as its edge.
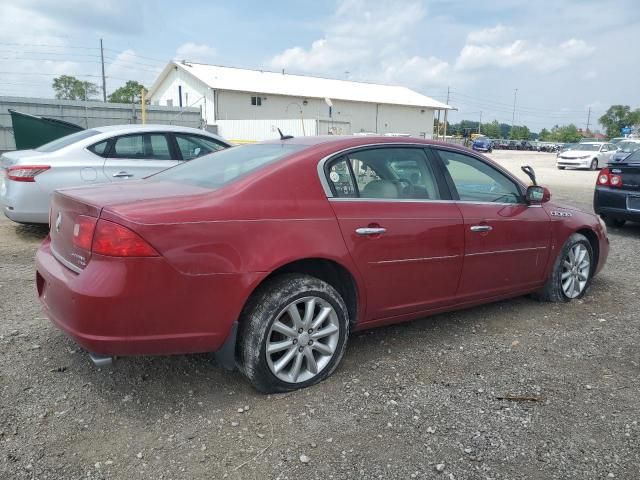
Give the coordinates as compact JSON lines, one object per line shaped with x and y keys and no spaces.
{"x":588,"y":119}
{"x":480,"y":122}
{"x":104,"y":83}
{"x":445,"y":116}
{"x":513,"y":116}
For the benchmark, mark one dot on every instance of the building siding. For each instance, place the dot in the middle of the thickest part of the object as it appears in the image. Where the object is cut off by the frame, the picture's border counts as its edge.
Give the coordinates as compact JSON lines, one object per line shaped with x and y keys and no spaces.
{"x":346,"y":117}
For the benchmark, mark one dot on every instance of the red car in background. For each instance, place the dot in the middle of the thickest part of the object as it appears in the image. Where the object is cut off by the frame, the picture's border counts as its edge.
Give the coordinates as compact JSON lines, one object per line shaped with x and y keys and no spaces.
{"x":270,"y":254}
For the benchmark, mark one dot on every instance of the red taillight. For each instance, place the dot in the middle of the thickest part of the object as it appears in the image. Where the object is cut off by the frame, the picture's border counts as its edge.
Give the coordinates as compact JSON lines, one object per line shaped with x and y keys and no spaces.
{"x":608,"y":179}
{"x":83,"y":232}
{"x":25,"y":173}
{"x":114,"y":240}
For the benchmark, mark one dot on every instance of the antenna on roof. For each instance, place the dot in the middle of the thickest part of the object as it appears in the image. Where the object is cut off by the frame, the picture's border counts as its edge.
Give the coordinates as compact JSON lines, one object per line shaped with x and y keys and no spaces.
{"x":283,"y":136}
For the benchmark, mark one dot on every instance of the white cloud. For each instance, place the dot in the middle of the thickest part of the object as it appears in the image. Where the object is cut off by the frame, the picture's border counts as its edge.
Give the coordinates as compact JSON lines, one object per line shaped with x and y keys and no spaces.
{"x":489,"y":36}
{"x":537,"y":56}
{"x":418,"y":71}
{"x":367,"y":39}
{"x":195,"y":52}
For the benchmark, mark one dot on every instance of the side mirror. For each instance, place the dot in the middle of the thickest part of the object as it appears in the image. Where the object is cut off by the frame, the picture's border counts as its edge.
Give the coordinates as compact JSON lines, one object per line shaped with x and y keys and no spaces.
{"x":537,"y":194}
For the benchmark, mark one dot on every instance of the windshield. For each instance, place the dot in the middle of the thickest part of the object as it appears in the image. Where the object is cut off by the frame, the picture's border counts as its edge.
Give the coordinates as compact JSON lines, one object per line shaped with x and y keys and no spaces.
{"x":588,"y":147}
{"x":628,"y":147}
{"x":65,"y":141}
{"x":220,"y":168}
{"x":633,"y":158}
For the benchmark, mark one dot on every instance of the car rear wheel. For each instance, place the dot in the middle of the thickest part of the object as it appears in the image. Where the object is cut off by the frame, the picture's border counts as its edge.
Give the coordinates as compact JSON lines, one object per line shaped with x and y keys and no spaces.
{"x":571,"y":273}
{"x":594,"y":164}
{"x":614,"y":222}
{"x":561,"y":168}
{"x":293,"y":333}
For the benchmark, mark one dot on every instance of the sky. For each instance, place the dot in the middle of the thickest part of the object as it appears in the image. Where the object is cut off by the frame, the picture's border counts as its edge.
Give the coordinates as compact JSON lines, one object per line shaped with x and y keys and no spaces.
{"x":563,"y":57}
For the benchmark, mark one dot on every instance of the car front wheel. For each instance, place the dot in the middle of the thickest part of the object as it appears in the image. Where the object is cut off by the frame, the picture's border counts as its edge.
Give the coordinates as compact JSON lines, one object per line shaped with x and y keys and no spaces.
{"x":293,"y":333}
{"x":571,"y":273}
{"x":594,"y":164}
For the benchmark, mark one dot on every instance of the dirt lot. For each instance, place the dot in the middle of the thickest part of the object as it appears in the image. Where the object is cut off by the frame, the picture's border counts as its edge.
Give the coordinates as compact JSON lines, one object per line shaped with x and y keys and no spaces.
{"x":417,"y":400}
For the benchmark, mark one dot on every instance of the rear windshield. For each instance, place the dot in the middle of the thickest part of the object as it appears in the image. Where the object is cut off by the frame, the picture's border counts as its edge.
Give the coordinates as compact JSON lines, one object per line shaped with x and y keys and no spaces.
{"x":220,"y":168}
{"x":628,"y":147}
{"x":65,"y":141}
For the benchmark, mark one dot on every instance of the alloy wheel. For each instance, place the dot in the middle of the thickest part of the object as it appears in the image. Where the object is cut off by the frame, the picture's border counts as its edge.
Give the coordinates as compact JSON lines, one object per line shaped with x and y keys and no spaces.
{"x":575,"y":270}
{"x":302,"y":340}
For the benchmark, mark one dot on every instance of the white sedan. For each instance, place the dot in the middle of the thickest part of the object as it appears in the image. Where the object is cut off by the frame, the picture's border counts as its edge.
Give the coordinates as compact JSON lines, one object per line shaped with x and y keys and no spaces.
{"x":589,"y":155}
{"x":98,"y":155}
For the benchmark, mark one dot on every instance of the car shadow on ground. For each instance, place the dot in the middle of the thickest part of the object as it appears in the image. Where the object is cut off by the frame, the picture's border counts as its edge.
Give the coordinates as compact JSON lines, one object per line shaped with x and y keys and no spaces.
{"x":32,"y":231}
{"x":163,"y":382}
{"x":629,"y":230}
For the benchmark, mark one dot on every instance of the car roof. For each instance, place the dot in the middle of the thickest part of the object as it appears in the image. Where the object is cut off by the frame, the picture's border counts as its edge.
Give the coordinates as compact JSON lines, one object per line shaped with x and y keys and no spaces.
{"x":127,"y":128}
{"x":346,"y":141}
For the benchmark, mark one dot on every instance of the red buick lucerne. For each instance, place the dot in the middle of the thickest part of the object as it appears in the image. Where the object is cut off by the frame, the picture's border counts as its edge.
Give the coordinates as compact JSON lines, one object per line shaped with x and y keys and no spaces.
{"x":269,"y":254}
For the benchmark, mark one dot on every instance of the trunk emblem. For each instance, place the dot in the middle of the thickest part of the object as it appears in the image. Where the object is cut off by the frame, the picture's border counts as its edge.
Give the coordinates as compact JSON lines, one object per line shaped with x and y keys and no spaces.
{"x":58,"y":222}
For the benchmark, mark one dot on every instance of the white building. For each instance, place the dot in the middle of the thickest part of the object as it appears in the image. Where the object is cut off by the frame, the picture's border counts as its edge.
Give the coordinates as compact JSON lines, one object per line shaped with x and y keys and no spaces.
{"x":247,"y":105}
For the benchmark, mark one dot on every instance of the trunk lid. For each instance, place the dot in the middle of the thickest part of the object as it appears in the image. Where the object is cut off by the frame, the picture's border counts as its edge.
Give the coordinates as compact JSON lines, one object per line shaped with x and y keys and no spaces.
{"x":630,"y":174}
{"x":67,"y":216}
{"x":11,"y":158}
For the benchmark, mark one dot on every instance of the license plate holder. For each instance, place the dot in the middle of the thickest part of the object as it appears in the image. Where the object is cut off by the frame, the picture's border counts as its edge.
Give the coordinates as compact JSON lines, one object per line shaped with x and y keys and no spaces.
{"x":633,"y":203}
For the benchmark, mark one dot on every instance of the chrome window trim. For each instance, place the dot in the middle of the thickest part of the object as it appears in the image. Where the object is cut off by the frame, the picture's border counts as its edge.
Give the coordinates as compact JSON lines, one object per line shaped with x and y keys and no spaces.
{"x":422,"y":259}
{"x":409,"y":200}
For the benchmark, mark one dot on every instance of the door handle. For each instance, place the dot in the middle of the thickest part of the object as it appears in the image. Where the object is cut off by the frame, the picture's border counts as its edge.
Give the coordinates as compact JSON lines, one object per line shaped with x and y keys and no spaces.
{"x":370,"y":230}
{"x":123,"y":175}
{"x":481,"y":228}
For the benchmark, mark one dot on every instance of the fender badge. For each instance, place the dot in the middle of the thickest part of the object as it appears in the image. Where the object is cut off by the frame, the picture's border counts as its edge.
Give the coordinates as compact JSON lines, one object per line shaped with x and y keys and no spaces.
{"x":556,"y":213}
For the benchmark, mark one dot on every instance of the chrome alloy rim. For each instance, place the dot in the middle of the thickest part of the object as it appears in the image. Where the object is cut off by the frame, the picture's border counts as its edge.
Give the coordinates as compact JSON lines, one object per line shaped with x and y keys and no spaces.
{"x":575,"y":270}
{"x":302,"y":339}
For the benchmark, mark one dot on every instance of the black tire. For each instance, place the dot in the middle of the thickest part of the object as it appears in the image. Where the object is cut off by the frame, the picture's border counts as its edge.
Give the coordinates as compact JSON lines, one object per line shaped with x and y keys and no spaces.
{"x":594,"y":164}
{"x":614,"y":222}
{"x":553,"y":291}
{"x":561,"y":168}
{"x":265,"y":306}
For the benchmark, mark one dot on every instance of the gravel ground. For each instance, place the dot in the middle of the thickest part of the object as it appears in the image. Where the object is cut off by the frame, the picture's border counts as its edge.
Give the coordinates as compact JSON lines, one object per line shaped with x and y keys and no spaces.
{"x":418,"y":400}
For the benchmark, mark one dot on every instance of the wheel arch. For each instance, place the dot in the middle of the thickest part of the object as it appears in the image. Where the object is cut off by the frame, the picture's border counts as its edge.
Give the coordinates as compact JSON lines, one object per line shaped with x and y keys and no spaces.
{"x":327,"y":270}
{"x":592,"y":237}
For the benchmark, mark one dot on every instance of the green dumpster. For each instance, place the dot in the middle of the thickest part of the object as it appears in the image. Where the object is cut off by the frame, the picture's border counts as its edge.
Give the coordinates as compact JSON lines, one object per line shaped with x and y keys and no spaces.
{"x":32,"y":131}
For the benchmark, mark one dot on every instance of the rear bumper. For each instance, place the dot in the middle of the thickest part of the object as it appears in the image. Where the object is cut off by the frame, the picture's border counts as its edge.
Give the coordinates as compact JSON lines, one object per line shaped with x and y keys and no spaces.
{"x":139,"y":306}
{"x":612,"y":202}
{"x":23,"y":202}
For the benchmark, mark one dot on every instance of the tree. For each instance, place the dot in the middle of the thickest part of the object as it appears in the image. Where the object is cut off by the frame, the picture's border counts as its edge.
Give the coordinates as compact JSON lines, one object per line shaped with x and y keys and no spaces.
{"x":519,"y":132}
{"x":491,"y":130}
{"x":128,"y":93}
{"x":617,"y":117}
{"x":68,"y":87}
{"x":566,"y":134}
{"x":545,"y":135}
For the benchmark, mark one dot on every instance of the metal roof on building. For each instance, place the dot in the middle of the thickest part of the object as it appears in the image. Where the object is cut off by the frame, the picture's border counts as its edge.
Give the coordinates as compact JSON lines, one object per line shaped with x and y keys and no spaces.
{"x":260,"y":81}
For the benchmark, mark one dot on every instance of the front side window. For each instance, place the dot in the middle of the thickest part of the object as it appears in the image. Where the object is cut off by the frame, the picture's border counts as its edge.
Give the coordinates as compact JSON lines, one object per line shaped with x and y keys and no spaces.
{"x":476,"y":181}
{"x":194,"y":146}
{"x":385,"y":173}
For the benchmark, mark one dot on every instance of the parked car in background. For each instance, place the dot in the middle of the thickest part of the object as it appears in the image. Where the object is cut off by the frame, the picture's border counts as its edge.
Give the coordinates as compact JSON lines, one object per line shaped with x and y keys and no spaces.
{"x":114,"y":153}
{"x":270,"y":254}
{"x":586,"y":155}
{"x":624,"y":149}
{"x":617,"y":140}
{"x":617,"y":195}
{"x":503,"y":144}
{"x":482,"y":144}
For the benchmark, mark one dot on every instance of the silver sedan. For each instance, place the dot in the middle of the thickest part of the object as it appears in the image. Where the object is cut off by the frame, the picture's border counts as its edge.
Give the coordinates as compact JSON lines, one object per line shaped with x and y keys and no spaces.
{"x":99,"y":155}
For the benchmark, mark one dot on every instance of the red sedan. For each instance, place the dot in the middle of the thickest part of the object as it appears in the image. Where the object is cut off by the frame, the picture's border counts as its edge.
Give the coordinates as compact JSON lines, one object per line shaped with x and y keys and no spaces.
{"x":269,"y":254}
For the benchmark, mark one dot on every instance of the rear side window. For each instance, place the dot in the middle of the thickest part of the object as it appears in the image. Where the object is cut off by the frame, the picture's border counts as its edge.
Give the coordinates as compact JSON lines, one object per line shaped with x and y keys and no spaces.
{"x":385,"y":173}
{"x":476,"y":181}
{"x":99,"y":149}
{"x":141,"y":147}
